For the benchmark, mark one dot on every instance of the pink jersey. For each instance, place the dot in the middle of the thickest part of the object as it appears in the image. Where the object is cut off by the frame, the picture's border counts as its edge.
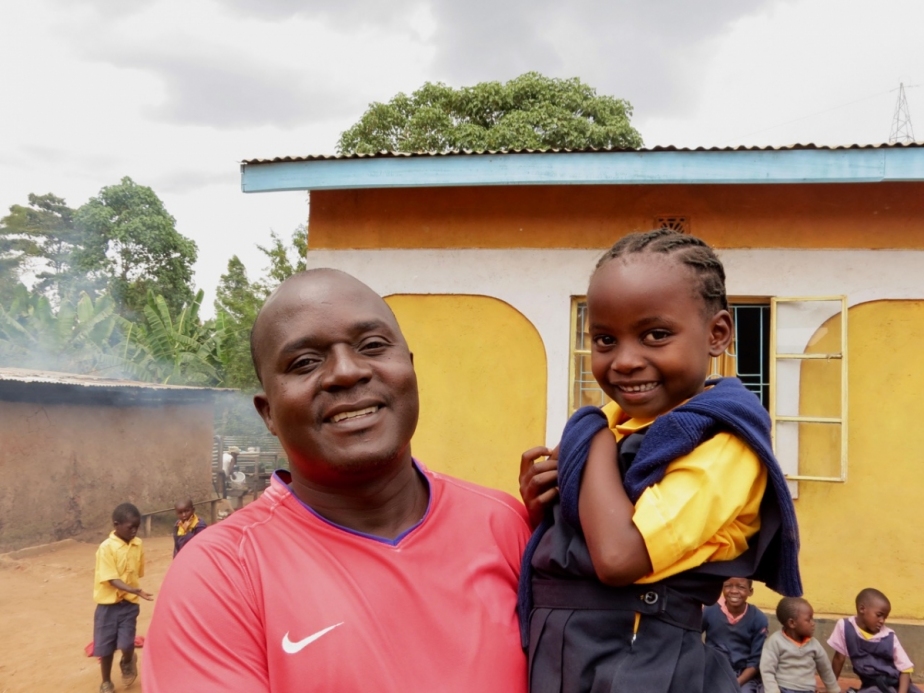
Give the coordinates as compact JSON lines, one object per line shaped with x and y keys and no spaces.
{"x":275,"y":598}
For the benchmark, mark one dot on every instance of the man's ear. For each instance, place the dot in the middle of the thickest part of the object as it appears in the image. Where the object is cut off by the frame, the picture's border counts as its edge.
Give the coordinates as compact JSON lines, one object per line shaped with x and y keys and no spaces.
{"x":262,"y":405}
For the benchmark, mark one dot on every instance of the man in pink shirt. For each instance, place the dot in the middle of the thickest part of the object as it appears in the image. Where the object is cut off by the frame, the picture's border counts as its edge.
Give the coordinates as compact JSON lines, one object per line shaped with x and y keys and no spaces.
{"x":360,"y":570}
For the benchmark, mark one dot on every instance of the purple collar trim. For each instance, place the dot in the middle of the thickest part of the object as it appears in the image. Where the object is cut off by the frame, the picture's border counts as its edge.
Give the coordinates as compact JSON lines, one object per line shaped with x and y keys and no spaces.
{"x":381,"y":540}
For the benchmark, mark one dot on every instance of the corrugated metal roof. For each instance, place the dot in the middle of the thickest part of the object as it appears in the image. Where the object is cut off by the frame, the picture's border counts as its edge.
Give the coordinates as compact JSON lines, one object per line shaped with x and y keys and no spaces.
{"x":24,"y":375}
{"x":669,"y":148}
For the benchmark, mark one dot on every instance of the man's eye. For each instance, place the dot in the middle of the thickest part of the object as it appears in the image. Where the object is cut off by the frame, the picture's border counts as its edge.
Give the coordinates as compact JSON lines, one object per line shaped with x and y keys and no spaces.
{"x":374,"y":344}
{"x":304,"y":363}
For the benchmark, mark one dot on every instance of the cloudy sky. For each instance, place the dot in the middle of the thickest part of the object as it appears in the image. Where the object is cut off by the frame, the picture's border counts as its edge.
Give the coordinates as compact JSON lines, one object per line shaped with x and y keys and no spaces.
{"x":174,"y":93}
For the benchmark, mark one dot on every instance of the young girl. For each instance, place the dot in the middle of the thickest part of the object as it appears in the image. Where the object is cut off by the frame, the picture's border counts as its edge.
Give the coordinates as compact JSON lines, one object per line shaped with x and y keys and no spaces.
{"x":664,"y":493}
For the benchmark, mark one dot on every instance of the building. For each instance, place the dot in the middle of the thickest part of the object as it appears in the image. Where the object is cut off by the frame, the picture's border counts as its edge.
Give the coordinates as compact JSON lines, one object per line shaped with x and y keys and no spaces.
{"x":72,"y":447}
{"x":485,"y":259}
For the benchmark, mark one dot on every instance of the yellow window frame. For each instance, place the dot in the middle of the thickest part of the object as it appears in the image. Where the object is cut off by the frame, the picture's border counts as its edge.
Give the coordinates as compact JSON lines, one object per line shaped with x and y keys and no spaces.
{"x":776,"y":356}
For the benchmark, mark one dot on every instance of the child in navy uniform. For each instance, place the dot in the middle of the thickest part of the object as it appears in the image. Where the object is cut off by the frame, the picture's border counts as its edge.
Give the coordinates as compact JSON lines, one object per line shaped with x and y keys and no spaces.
{"x":873,"y":649}
{"x":187,"y":524}
{"x":738,"y":630}
{"x":664,"y":493}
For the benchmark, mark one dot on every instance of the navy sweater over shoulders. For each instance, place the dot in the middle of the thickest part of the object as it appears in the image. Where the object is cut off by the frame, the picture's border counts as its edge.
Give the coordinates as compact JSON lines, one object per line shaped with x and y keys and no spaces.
{"x":742,"y":642}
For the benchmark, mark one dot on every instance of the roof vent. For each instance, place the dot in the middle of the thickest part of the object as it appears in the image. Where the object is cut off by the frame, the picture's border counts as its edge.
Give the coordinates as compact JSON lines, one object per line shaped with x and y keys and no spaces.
{"x":673,"y":222}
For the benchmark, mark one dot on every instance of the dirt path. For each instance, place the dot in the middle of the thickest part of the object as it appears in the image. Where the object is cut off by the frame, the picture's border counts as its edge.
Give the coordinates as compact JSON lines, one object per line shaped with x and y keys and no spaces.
{"x":46,"y":602}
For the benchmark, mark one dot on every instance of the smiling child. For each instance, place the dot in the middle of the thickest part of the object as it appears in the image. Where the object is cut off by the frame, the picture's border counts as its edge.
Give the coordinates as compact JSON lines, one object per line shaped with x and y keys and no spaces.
{"x":738,"y":630}
{"x":664,"y":493}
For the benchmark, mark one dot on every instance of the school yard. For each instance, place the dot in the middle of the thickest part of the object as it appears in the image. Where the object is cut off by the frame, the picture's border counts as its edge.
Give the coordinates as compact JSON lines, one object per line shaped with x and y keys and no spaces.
{"x":47,"y":612}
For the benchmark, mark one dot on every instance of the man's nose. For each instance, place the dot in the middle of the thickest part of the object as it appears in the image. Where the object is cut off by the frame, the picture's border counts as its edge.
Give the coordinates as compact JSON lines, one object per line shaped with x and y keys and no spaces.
{"x":345,"y":368}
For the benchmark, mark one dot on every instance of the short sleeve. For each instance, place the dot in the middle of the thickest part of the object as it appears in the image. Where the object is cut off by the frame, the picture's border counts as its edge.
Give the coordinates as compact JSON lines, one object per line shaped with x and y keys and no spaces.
{"x":711,"y":496}
{"x":837,"y":641}
{"x":106,"y":568}
{"x":195,"y":641}
{"x":902,"y":661}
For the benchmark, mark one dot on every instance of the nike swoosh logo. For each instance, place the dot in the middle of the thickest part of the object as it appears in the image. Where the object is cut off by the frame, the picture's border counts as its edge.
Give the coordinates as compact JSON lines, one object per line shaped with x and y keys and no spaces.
{"x":290,"y":647}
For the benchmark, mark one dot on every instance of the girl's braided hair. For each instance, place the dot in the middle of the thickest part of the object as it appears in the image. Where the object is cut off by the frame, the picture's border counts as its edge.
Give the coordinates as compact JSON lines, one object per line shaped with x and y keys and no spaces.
{"x":690,"y":250}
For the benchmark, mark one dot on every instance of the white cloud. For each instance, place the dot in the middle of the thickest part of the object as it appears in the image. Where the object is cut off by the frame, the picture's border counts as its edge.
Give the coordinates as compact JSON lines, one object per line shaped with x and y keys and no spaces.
{"x":175,"y":93}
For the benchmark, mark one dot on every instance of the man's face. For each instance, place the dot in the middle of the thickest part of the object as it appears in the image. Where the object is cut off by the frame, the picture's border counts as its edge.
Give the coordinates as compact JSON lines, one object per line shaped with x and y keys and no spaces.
{"x":340,"y":390}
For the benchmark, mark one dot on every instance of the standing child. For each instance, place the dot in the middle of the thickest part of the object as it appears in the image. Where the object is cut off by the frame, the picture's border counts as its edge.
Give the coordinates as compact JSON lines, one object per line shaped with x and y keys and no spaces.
{"x":187,"y":524}
{"x":664,"y":492}
{"x":873,"y":648}
{"x":738,"y":630}
{"x":792,"y":656}
{"x":119,"y":564}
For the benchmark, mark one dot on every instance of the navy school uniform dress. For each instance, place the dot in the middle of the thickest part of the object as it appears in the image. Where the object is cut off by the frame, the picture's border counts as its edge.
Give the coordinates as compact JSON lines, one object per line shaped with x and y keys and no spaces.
{"x":873,"y":661}
{"x":578,"y":632}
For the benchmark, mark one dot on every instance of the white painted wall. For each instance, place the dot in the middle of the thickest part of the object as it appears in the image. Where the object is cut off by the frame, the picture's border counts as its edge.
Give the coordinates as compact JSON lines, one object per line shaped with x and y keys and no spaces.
{"x":540,"y":284}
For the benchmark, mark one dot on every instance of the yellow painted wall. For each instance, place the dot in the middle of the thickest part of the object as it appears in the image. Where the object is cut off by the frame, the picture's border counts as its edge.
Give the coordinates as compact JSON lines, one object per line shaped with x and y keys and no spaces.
{"x":481,"y":369}
{"x":867,"y":532}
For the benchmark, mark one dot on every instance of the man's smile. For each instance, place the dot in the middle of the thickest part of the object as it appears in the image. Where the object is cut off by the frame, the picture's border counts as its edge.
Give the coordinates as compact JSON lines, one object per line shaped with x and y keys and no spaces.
{"x":356,"y":413}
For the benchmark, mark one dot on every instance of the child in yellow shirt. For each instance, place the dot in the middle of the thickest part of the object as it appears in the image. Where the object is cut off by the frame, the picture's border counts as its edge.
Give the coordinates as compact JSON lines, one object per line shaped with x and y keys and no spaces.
{"x":664,"y":493}
{"x":119,"y":565}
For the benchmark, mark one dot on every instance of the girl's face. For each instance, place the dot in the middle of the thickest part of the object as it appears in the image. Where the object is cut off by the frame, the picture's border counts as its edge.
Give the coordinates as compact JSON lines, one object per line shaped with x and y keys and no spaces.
{"x":651,"y":340}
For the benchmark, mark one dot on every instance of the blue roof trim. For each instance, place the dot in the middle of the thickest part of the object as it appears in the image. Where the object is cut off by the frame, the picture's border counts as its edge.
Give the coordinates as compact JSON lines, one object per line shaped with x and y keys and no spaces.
{"x":591,"y":168}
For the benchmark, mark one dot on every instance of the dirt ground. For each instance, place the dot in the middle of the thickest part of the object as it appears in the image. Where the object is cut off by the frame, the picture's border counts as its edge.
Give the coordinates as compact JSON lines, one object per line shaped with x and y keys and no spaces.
{"x":47,"y":604}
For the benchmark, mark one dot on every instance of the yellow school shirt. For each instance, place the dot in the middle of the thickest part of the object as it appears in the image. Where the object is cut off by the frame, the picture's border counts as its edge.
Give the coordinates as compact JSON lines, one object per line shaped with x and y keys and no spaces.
{"x":117,"y":560}
{"x":706,"y":506}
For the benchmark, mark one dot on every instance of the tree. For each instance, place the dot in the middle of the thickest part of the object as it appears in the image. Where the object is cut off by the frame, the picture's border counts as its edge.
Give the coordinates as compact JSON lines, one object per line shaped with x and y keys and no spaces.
{"x":136,"y":243}
{"x":175,"y":351}
{"x":529,"y":112}
{"x":43,"y":234}
{"x":81,"y":337}
{"x":284,"y":262}
{"x":236,"y":305}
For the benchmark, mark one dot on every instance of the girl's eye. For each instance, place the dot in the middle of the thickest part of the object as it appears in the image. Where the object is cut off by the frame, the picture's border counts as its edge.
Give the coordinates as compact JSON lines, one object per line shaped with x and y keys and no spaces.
{"x":658,"y":335}
{"x":604,"y":340}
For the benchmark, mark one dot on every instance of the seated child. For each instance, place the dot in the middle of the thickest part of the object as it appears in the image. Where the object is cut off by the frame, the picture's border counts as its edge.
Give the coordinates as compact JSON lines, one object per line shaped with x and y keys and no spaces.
{"x":792,"y":656}
{"x":664,"y":493}
{"x":738,"y":630}
{"x":119,"y":564}
{"x":187,"y":525}
{"x":877,"y":657}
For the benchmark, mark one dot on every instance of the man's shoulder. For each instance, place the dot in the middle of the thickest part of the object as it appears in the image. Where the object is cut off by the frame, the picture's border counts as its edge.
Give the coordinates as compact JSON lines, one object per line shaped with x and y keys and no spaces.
{"x":477,"y":498}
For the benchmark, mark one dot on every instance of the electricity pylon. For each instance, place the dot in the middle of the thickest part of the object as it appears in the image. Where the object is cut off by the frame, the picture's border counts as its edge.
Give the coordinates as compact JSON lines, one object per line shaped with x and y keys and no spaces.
{"x":902,"y":131}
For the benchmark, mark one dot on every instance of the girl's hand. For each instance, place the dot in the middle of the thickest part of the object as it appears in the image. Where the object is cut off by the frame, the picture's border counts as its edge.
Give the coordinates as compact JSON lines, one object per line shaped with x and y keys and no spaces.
{"x":538,"y":482}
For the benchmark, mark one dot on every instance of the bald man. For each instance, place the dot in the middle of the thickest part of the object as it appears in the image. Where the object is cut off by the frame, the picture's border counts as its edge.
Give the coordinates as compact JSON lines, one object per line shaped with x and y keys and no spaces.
{"x":360,"y":569}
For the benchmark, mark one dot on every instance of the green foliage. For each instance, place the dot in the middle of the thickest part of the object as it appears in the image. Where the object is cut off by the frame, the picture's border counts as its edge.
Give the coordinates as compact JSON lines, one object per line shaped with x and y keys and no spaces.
{"x":529,"y":112}
{"x":81,"y":337}
{"x":136,"y":245}
{"x":238,"y":301}
{"x":236,"y":305}
{"x":175,"y":351}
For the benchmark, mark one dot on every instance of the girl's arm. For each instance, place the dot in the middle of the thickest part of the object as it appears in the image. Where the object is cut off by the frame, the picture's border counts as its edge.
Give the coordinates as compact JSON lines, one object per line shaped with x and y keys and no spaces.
{"x":837,"y":664}
{"x":616,"y":547}
{"x":904,"y":682}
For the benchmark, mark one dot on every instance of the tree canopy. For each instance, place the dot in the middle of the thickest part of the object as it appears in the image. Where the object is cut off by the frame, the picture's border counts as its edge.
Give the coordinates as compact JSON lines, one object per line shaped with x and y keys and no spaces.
{"x":123,"y":241}
{"x":529,"y":112}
